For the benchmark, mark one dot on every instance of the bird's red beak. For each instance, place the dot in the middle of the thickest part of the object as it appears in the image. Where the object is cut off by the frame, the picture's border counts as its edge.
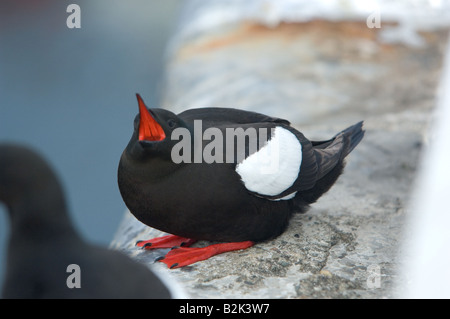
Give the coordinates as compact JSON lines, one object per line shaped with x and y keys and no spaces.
{"x":149,"y":128}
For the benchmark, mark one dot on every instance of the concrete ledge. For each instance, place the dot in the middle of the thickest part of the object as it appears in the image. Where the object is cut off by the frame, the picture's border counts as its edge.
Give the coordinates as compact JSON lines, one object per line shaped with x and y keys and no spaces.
{"x":329,"y":251}
{"x":322,"y":76}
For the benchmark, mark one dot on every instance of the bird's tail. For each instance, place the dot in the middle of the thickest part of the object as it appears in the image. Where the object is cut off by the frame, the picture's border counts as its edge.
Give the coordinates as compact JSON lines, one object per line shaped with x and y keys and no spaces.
{"x":333,"y":151}
{"x":353,"y":135}
{"x":330,"y":156}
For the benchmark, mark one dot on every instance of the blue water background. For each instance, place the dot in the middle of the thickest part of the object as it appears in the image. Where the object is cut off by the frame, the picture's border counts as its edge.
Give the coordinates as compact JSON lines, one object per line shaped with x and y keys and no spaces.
{"x":70,"y":94}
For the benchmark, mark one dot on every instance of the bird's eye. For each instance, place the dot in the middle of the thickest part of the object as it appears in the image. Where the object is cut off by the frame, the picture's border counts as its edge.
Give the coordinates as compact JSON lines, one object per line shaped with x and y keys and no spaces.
{"x":171,"y":123}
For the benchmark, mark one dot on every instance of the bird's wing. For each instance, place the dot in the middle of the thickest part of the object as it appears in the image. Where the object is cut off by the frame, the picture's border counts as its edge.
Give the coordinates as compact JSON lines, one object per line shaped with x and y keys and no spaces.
{"x":285,"y":165}
{"x":222,"y":115}
{"x":328,"y":157}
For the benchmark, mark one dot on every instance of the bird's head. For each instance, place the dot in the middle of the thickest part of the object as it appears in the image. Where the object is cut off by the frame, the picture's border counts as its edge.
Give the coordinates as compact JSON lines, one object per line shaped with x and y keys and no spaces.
{"x":152,"y":132}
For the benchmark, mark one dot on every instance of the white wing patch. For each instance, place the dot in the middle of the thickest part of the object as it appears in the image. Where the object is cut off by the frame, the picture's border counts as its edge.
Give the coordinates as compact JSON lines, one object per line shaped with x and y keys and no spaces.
{"x":275,"y":167}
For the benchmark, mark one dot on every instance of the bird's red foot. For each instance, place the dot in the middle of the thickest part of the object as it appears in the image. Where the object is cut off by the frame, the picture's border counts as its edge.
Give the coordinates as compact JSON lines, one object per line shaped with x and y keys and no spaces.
{"x":183,"y":256}
{"x":168,"y":241}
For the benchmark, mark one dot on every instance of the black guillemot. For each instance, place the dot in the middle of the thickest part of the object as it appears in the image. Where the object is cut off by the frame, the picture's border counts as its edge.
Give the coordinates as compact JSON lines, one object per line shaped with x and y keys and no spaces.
{"x":46,"y":256}
{"x":223,"y":174}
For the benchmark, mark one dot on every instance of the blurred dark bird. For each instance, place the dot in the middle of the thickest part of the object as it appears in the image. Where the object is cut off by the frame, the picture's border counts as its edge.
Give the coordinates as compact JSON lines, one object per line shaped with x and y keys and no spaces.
{"x":221,"y":197}
{"x":46,"y":257}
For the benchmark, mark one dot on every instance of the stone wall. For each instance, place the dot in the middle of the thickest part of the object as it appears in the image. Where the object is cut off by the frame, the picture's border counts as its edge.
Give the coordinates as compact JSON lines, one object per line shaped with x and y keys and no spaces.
{"x":322,"y":75}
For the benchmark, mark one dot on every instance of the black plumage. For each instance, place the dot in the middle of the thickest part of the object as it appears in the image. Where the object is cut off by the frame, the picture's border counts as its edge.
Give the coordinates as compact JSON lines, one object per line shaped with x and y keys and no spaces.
{"x":212,"y":201}
{"x":43,"y":242}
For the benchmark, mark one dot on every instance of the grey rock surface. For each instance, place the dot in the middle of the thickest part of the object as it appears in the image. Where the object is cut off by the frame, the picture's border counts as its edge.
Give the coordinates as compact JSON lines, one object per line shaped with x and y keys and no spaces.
{"x":324,"y":253}
{"x":322,"y":76}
